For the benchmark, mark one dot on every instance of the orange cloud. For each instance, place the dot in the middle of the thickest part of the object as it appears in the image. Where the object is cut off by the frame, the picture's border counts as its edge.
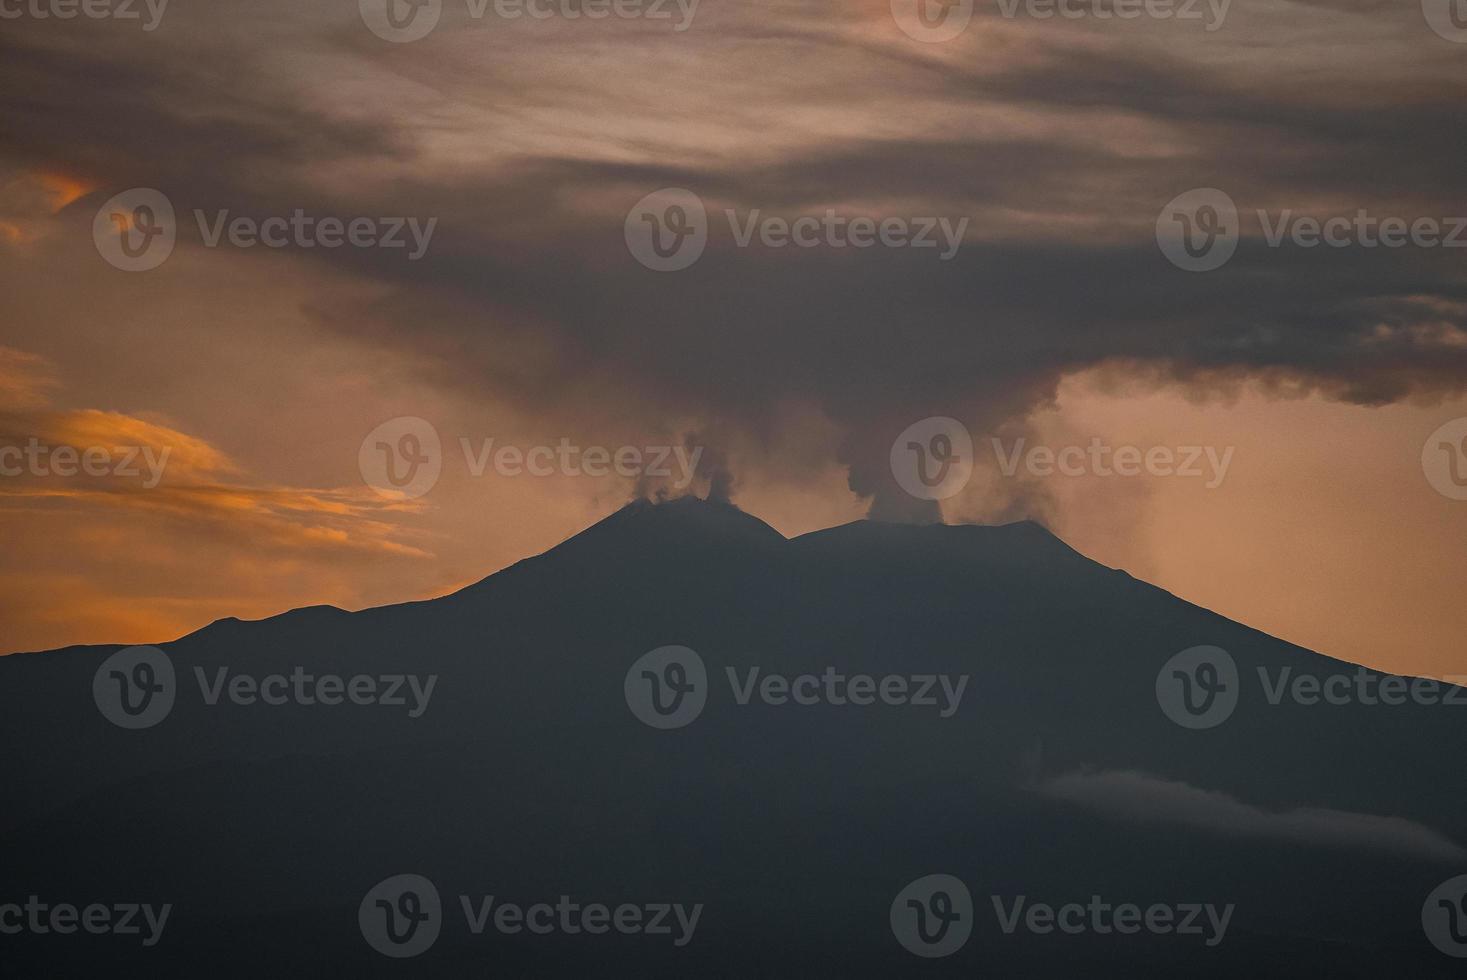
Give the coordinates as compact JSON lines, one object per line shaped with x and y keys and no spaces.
{"x":63,"y":189}
{"x":181,"y":539}
{"x":29,"y":199}
{"x":25,"y":380}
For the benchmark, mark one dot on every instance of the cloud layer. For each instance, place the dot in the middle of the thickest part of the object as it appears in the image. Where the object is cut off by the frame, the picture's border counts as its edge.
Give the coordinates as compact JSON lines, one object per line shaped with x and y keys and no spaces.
{"x":1060,"y":141}
{"x":1141,"y":797}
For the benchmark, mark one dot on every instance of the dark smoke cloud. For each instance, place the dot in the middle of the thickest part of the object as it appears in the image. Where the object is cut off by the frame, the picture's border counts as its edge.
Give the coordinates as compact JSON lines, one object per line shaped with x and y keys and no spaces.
{"x":530,"y":293}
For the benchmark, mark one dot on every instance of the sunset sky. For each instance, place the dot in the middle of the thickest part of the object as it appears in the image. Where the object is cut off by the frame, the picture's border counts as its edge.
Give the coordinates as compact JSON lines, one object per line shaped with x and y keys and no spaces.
{"x":527,"y":319}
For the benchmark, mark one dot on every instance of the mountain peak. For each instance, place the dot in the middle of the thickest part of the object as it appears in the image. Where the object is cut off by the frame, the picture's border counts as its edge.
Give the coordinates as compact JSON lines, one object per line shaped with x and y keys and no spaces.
{"x":689,"y":511}
{"x":686,"y":521}
{"x":1019,"y":544}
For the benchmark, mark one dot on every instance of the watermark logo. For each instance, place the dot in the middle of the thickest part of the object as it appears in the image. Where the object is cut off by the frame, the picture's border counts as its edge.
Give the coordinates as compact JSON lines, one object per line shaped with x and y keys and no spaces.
{"x":667,"y":230}
{"x":1444,"y":917}
{"x":1198,"y":231}
{"x":667,"y":687}
{"x":933,"y":459}
{"x":1099,"y":459}
{"x":401,"y":916}
{"x":400,"y":21}
{"x":573,"y":918}
{"x":1198,"y":688}
{"x":1179,"y":10}
{"x":307,"y":231}
{"x":135,"y":231}
{"x":932,"y":21}
{"x":569,"y":459}
{"x":409,"y":691}
{"x":943,"y":692}
{"x":135,"y":687}
{"x":91,"y":9}
{"x":44,"y":460}
{"x":402,"y":457}
{"x":1361,"y":686}
{"x":64,"y":918}
{"x":933,"y":916}
{"x":836,"y":231}
{"x":1444,"y":459}
{"x":1362,"y":229}
{"x":1448,"y":18}
{"x":1103,"y":918}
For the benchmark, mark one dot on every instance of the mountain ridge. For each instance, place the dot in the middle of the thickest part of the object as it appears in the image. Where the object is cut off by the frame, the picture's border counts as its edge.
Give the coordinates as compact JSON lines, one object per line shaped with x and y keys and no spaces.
{"x":529,"y":771}
{"x":692,"y":521}
{"x":698,"y":522}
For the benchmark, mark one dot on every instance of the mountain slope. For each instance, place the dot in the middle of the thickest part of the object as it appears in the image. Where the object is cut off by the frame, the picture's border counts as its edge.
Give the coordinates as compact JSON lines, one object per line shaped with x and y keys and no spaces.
{"x":1056,"y":774}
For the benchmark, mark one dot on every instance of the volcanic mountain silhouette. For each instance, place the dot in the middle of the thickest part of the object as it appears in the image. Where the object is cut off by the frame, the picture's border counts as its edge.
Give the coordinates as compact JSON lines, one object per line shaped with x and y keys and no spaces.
{"x":528,"y":775}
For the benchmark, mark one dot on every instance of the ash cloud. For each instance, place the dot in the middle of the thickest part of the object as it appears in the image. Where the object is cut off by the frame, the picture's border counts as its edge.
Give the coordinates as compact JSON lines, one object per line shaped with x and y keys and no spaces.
{"x":529,"y":291}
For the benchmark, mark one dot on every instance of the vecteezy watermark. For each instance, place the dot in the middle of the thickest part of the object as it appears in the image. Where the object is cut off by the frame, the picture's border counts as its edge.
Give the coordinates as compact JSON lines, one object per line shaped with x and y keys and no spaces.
{"x":302,"y":230}
{"x":1199,"y":230}
{"x":98,"y":919}
{"x":401,"y":21}
{"x":668,"y":229}
{"x":932,"y":21}
{"x":1361,"y":229}
{"x":136,"y":688}
{"x":148,"y":13}
{"x":1099,"y":459}
{"x":1179,"y":10}
{"x":566,"y":458}
{"x":934,"y":916}
{"x":668,"y":688}
{"x":136,"y":231}
{"x":44,"y":460}
{"x":1201,"y":686}
{"x":403,"y":916}
{"x":1198,"y":688}
{"x":1444,"y":917}
{"x":1444,"y":459}
{"x":1360,"y":686}
{"x":933,"y":459}
{"x":1102,"y":918}
{"x":1448,"y":18}
{"x":403,"y":457}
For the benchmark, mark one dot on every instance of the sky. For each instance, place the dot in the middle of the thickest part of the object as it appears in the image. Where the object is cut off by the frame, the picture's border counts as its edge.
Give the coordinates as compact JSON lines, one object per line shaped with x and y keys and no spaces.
{"x":524,"y":164}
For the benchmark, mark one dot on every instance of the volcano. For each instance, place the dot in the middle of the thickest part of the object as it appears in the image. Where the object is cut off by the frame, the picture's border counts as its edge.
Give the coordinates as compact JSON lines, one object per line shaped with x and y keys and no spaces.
{"x":679,"y":708}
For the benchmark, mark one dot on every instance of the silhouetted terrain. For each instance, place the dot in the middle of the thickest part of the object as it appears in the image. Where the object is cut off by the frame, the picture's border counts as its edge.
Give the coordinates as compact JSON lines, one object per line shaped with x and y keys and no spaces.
{"x":1056,"y":776}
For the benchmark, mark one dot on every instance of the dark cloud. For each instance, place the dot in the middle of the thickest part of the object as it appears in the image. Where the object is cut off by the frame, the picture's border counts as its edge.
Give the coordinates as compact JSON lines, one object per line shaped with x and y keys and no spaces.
{"x":202,"y":118}
{"x":530,"y":292}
